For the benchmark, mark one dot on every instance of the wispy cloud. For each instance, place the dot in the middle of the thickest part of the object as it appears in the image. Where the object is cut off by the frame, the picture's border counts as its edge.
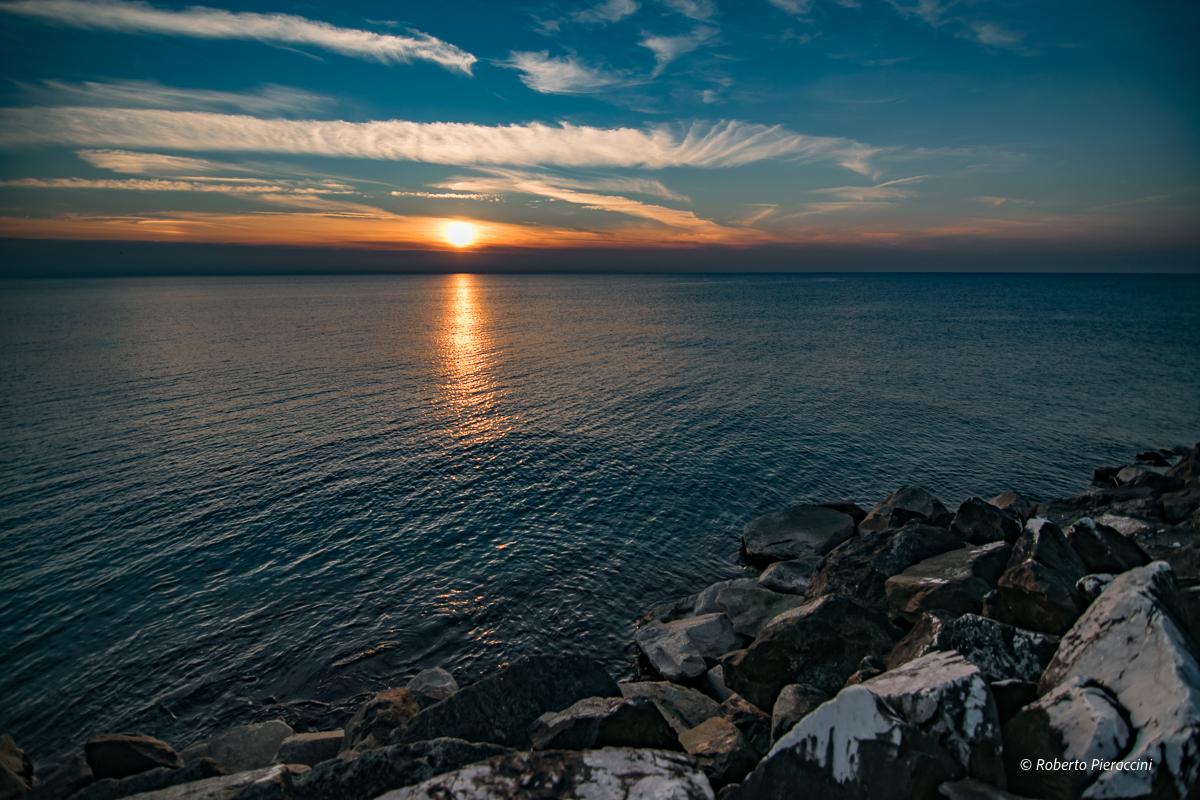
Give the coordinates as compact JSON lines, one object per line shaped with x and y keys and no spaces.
{"x":138,"y":185}
{"x":701,"y":10}
{"x":991,"y":34}
{"x":707,"y":145}
{"x":932,"y":11}
{"x":668,"y":48}
{"x":266,"y":100}
{"x":155,"y":163}
{"x":882,"y":192}
{"x":996,"y":202}
{"x":606,"y":12}
{"x":566,"y":75}
{"x":797,"y":8}
{"x":515,"y":178}
{"x":490,"y":198}
{"x":198,"y":22}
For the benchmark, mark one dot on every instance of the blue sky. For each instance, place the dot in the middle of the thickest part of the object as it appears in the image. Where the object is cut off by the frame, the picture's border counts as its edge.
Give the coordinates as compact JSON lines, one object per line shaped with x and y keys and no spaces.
{"x":627,"y":123}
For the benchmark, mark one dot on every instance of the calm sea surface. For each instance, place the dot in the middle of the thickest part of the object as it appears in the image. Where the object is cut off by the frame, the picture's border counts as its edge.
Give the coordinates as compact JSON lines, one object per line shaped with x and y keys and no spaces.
{"x":224,"y":500}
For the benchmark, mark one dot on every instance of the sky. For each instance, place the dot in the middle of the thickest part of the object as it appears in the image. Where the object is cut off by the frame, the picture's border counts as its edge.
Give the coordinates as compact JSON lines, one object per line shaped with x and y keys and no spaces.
{"x":671,"y":127}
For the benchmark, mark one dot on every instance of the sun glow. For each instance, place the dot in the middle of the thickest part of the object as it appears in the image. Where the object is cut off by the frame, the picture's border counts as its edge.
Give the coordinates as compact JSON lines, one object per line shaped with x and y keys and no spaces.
{"x":460,"y":234}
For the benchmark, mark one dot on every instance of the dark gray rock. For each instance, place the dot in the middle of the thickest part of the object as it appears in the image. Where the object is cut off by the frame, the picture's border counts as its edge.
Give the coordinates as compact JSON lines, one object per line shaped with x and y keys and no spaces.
{"x":16,"y":770}
{"x":434,"y":682}
{"x":242,"y":749}
{"x":119,"y":755}
{"x":714,"y":684}
{"x":1092,"y":586}
{"x":931,"y":634}
{"x":374,"y":772}
{"x":1076,"y":721}
{"x":795,"y":532}
{"x":750,"y":608}
{"x":901,"y":507}
{"x":677,"y":649}
{"x":269,"y":783}
{"x":1131,"y":641}
{"x":852,"y":510}
{"x":1188,"y":467}
{"x":1011,"y":696}
{"x":683,"y":708}
{"x":953,"y":583}
{"x":1103,"y":549}
{"x":795,"y":702}
{"x":614,"y":773}
{"x":151,"y":780}
{"x":671,"y":610}
{"x":1153,"y":477}
{"x":970,"y":789}
{"x":706,"y":600}
{"x":978,"y":522}
{"x":499,"y":708}
{"x":604,"y":722}
{"x":62,"y":781}
{"x":820,"y":643}
{"x":310,"y":749}
{"x":1037,"y":591}
{"x":789,"y":577}
{"x":1002,"y":652}
{"x":722,"y":751}
{"x":859,"y":568}
{"x":752,"y":721}
{"x":1159,"y":539}
{"x":1014,"y":502}
{"x":1179,"y":506}
{"x":1152,"y":458}
{"x":870,"y":667}
{"x":377,"y":719}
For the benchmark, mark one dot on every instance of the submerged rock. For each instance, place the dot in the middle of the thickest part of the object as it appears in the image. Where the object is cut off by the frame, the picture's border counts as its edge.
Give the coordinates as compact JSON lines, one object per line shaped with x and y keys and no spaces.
{"x":901,"y":507}
{"x":499,"y":708}
{"x":433,"y":682}
{"x":119,"y":755}
{"x":604,"y":722}
{"x":820,"y":643}
{"x":1132,"y":642}
{"x":612,"y":774}
{"x":795,"y":532}
{"x":244,"y":748}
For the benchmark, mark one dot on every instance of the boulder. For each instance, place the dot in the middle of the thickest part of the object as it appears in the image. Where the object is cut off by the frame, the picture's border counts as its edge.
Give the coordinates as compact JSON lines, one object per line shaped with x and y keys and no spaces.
{"x":119,"y":755}
{"x":374,"y":772}
{"x":714,"y":684}
{"x":852,"y":510}
{"x":1132,"y":642}
{"x":1037,"y":591}
{"x":869,"y":667}
{"x":1092,"y":586}
{"x":901,"y":507}
{"x":795,"y":532}
{"x":706,"y":600}
{"x":978,"y":522}
{"x":683,"y":708}
{"x":722,"y":751}
{"x":63,"y":781}
{"x":752,"y":721}
{"x":970,"y":789}
{"x":499,"y":708}
{"x":931,"y":634}
{"x":1011,"y":696}
{"x":434,"y":681}
{"x":1103,"y":549}
{"x":1152,"y":458}
{"x":899,"y":735}
{"x":677,"y":649}
{"x":270,"y":783}
{"x":1180,"y":506}
{"x":1158,"y":539}
{"x":859,"y":567}
{"x":1188,"y":467}
{"x":789,"y":577}
{"x":242,"y":749}
{"x":1076,"y":721}
{"x":1014,"y":502}
{"x":749,"y":609}
{"x":310,"y":749}
{"x":375,"y":720}
{"x":16,"y":770}
{"x":1140,"y":500}
{"x":1153,"y":477}
{"x":819,"y":643}
{"x":151,"y":781}
{"x":795,"y":702}
{"x":614,"y":773}
{"x":1002,"y":652}
{"x":604,"y":722}
{"x":671,"y":610}
{"x":953,"y":583}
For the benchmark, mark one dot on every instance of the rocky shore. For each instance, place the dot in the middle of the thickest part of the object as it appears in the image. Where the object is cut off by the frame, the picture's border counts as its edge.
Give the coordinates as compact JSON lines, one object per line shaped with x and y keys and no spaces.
{"x":1008,"y":649}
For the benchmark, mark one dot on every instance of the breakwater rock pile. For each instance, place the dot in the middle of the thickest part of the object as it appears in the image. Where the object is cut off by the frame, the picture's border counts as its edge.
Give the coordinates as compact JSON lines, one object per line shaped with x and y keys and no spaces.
{"x":1008,"y":649}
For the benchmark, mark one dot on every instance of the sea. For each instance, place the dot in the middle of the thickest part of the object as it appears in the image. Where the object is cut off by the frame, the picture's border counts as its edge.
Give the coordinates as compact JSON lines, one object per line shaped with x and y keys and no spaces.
{"x":225,"y":500}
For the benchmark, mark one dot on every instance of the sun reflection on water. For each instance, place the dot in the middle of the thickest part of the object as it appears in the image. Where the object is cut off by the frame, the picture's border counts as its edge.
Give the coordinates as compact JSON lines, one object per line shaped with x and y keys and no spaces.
{"x":470,"y":392}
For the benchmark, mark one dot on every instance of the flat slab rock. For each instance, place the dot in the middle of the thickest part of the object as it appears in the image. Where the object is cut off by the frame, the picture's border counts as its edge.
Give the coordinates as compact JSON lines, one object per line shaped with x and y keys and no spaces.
{"x":607,"y":774}
{"x":901,"y":507}
{"x":119,"y":755}
{"x":244,"y":748}
{"x":269,"y":783}
{"x":677,"y":649}
{"x":954,"y":582}
{"x":598,"y":722}
{"x":789,"y":577}
{"x":150,"y":781}
{"x":795,"y":532}
{"x":1037,"y":590}
{"x":683,"y":707}
{"x":1131,"y":641}
{"x":500,"y":708}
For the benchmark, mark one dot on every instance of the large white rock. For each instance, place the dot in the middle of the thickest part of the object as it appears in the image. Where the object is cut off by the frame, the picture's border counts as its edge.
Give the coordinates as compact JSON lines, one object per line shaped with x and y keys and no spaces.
{"x":1131,"y":641}
{"x":613,"y":773}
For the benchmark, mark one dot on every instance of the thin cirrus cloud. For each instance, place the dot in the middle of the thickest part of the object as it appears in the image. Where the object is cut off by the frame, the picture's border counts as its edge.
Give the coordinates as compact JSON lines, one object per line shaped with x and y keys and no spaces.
{"x":700,"y":10}
{"x":156,"y":185}
{"x":668,"y":48}
{"x":268,"y":99}
{"x":567,"y":75}
{"x":132,"y":163}
{"x":706,"y":145}
{"x":992,"y":35}
{"x":198,"y":22}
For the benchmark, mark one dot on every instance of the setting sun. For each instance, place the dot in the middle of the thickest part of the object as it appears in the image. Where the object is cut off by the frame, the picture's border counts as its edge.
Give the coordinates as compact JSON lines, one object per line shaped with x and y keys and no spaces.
{"x":460,"y":234}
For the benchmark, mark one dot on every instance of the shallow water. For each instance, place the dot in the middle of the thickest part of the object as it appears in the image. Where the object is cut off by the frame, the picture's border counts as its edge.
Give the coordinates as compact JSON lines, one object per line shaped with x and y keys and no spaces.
{"x":220,"y":493}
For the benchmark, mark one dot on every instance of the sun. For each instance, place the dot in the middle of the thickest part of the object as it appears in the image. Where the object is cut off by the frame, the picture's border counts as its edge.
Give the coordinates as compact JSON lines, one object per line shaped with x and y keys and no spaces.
{"x":460,"y":234}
